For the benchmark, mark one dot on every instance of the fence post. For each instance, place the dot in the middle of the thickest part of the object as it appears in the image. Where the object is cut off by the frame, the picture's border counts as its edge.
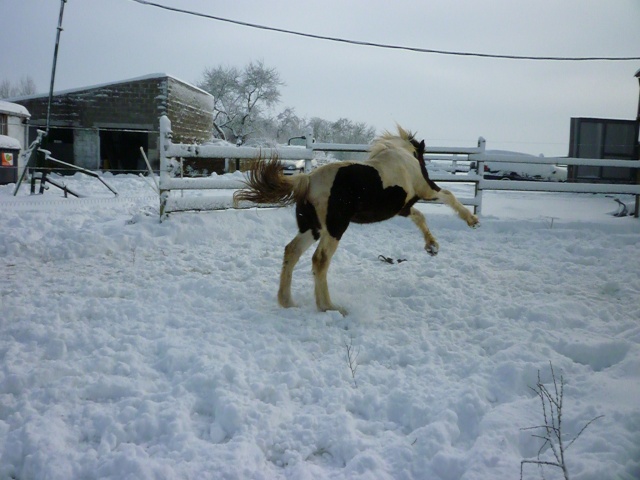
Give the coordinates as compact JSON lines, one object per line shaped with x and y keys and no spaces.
{"x":164,"y":144}
{"x":636,"y":213}
{"x":477,"y":209}
{"x":309,"y":144}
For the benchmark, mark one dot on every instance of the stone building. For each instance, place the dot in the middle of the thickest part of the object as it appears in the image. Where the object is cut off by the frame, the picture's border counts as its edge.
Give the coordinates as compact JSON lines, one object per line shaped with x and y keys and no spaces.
{"x":104,"y":126}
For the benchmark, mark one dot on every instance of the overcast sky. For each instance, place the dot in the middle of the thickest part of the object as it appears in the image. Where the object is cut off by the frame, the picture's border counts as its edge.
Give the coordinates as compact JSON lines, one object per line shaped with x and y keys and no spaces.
{"x":516,"y":105}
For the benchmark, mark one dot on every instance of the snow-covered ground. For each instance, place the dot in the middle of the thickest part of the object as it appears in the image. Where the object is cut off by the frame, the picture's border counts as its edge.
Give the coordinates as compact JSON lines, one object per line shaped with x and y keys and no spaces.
{"x":133,"y":349}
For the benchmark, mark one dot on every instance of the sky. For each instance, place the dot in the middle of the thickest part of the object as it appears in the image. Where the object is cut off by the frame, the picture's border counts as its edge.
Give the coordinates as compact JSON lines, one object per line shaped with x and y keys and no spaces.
{"x":518,"y":105}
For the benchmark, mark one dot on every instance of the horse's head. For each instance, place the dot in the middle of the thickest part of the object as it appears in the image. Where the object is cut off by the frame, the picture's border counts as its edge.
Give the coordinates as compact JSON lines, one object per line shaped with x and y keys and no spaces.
{"x":419,"y":149}
{"x":408,"y":141}
{"x":409,"y":137}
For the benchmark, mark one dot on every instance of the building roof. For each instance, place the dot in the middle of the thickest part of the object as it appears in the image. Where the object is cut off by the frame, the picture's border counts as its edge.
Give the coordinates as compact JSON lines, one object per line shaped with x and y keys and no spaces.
{"x":13,"y":109}
{"x":102,"y":85}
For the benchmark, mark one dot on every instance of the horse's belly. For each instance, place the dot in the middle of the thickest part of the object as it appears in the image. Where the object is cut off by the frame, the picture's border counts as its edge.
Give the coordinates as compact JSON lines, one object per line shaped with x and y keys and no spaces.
{"x":358,"y":195}
{"x":380,"y":205}
{"x":372,"y":216}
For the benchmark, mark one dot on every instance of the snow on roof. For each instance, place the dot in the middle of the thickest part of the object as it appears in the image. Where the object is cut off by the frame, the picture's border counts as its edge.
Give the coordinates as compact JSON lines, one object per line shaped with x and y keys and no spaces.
{"x":108,"y":84}
{"x":9,"y":143}
{"x":13,"y":109}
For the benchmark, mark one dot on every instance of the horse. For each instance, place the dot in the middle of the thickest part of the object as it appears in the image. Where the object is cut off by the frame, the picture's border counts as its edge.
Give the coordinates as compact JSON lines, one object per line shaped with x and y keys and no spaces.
{"x":388,"y":183}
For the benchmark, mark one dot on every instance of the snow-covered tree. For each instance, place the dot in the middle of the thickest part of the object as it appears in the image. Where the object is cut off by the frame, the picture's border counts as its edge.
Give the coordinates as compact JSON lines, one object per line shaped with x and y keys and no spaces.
{"x":288,"y":124}
{"x":241,"y":97}
{"x":342,"y":130}
{"x":243,"y":103}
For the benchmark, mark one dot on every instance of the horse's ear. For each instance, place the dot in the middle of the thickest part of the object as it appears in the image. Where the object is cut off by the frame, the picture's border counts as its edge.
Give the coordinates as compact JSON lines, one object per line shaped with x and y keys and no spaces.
{"x":420,"y":151}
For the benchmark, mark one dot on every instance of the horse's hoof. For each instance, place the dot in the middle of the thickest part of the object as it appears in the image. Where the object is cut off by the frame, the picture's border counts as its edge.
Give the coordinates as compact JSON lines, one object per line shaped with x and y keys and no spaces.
{"x":335,"y":308}
{"x":287,"y":303}
{"x":432,"y":249}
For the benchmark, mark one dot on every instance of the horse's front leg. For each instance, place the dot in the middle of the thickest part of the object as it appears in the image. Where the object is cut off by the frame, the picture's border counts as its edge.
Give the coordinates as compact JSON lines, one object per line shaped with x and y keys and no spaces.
{"x":292,"y":253}
{"x":430,"y":245}
{"x":321,"y":260}
{"x":449,"y":198}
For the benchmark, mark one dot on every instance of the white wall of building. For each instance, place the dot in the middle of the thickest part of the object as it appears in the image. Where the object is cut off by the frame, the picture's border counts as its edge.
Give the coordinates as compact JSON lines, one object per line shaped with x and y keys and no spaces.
{"x":17,"y":127}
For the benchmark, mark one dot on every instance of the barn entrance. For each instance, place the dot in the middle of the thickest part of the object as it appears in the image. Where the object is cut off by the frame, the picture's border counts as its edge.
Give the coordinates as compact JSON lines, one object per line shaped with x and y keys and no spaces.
{"x":59,"y":141}
{"x":120,"y":150}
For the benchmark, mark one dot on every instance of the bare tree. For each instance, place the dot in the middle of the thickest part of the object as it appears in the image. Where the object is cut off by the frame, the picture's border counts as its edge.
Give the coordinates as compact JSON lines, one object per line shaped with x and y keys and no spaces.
{"x":342,"y":130}
{"x":346,"y":131}
{"x":321,"y":129}
{"x":241,"y":97}
{"x":245,"y":97}
{"x":288,"y":124}
{"x":26,"y":86}
{"x":222,"y":83}
{"x":5,"y":88}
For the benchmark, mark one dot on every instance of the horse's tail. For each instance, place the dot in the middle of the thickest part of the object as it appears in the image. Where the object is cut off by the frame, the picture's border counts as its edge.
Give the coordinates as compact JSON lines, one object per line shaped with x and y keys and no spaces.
{"x":266,"y":183}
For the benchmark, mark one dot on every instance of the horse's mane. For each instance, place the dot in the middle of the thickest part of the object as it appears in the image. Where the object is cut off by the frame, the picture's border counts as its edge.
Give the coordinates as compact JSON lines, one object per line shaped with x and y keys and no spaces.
{"x":403,"y":139}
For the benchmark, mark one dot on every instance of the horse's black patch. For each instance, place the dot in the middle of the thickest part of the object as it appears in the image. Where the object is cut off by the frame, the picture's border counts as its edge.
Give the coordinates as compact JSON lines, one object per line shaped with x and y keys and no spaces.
{"x":357,"y":196}
{"x":307,"y":218}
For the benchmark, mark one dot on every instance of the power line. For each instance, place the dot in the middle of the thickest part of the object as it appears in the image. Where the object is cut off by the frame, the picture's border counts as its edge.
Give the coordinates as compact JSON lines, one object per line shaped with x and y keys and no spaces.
{"x":386,"y":46}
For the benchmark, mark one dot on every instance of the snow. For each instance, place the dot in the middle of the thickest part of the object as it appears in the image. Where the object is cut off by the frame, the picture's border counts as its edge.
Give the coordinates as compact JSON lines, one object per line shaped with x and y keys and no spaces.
{"x":131,"y":348}
{"x":13,"y":109}
{"x":550,"y":172}
{"x":9,"y":143}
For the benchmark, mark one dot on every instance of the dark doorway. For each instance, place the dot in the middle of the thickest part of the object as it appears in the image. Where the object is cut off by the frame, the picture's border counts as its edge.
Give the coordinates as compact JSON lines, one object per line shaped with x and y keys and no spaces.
{"x":59,"y":141}
{"x":120,"y":151}
{"x":603,"y":138}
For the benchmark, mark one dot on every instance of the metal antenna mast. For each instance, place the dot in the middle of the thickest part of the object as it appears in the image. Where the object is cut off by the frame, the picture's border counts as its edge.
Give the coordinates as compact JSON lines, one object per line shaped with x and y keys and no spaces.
{"x":55,"y":61}
{"x":29,"y":153}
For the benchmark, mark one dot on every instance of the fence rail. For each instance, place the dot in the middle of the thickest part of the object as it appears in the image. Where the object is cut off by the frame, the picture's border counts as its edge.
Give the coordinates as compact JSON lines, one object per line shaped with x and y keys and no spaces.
{"x":476,"y":156}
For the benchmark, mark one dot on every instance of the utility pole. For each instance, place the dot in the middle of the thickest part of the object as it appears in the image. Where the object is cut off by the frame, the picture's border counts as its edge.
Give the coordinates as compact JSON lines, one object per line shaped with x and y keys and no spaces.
{"x":32,"y":151}
{"x":637,"y":211}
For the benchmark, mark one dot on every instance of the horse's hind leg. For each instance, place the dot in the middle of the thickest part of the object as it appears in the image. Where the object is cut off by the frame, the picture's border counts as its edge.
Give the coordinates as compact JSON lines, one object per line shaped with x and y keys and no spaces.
{"x":430,"y":243}
{"x":321,"y":260}
{"x":292,"y":253}
{"x":449,"y":198}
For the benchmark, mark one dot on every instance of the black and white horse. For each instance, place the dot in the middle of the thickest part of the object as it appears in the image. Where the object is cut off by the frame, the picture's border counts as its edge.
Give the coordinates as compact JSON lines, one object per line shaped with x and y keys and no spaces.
{"x":389,"y":183}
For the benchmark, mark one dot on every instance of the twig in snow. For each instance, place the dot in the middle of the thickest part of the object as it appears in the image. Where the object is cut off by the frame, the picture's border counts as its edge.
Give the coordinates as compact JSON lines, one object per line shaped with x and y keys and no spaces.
{"x":352,"y":359}
{"x":552,"y":429}
{"x":551,"y":223}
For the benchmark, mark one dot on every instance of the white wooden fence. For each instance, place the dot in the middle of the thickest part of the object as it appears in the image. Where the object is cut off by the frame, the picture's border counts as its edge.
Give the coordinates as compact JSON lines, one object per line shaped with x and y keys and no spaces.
{"x":168,"y":167}
{"x":477,"y":156}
